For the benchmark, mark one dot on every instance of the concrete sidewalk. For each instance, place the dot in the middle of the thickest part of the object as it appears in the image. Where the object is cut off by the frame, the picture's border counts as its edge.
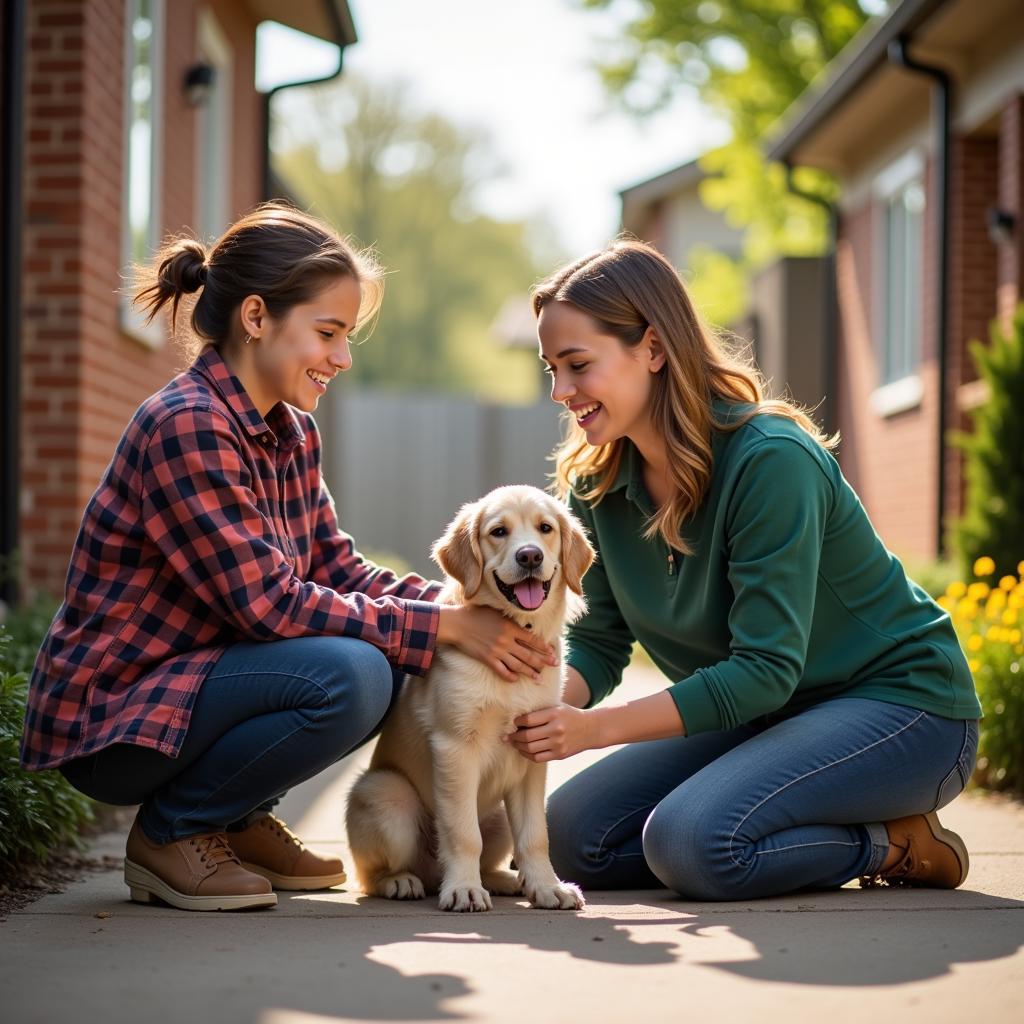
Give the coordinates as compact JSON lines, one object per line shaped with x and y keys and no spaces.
{"x":89,"y":954}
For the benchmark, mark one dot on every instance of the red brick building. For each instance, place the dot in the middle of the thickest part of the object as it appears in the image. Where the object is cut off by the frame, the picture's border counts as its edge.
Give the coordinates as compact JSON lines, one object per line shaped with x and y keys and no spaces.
{"x":922,"y":121}
{"x":125,"y":120}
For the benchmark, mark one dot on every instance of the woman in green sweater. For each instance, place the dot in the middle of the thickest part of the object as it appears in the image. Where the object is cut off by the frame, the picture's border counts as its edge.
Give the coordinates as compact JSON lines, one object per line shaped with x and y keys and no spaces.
{"x":821,"y":709}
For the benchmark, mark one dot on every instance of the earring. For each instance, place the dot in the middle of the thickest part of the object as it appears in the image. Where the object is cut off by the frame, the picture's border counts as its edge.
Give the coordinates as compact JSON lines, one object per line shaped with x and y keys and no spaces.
{"x":248,"y":338}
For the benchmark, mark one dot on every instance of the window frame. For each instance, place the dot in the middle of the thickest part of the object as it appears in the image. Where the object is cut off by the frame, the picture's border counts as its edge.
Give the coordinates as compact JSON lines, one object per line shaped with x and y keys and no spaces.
{"x":151,"y":335}
{"x":899,"y":387}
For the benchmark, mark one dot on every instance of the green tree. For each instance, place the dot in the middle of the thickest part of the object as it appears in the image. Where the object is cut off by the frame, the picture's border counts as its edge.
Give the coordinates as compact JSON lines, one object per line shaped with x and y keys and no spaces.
{"x":405,"y":184}
{"x":749,"y":60}
{"x":993,"y":519}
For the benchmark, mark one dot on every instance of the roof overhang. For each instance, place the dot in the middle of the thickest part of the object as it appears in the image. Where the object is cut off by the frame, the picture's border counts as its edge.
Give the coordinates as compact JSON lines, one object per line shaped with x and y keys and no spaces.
{"x":330,"y":20}
{"x":861,"y":92}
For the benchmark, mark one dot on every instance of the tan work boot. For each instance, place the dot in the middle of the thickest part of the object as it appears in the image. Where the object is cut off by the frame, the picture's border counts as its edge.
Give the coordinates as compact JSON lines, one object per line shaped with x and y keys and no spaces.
{"x":269,"y":848}
{"x":197,"y":873}
{"x":932,"y":856}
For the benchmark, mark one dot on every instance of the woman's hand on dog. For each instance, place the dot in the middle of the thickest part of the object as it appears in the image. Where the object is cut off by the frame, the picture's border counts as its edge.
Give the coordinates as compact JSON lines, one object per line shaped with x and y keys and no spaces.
{"x":553,"y":733}
{"x":485,"y":634}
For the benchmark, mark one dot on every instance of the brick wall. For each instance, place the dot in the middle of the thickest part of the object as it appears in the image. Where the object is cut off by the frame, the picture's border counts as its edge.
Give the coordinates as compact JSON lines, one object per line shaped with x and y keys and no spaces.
{"x":890,"y":461}
{"x":82,"y":376}
{"x":972,"y":274}
{"x":1010,"y":269}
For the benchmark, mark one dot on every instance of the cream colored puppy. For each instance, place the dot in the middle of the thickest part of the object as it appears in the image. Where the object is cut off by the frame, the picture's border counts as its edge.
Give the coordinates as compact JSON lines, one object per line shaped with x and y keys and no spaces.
{"x":433,"y":811}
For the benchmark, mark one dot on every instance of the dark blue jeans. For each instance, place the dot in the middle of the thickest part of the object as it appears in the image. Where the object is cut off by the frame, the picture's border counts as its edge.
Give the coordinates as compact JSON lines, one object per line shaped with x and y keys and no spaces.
{"x":758,"y":810}
{"x":267,"y":717}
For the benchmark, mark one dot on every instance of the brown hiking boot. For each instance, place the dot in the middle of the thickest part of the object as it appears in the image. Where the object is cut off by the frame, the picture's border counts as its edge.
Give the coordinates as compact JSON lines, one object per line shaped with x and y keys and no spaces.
{"x":933,"y":856}
{"x":269,"y":848}
{"x":197,"y":873}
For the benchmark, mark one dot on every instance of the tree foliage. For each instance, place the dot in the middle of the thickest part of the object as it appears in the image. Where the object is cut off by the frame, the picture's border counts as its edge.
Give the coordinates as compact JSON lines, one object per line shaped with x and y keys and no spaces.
{"x":749,"y":60}
{"x":993,"y":521}
{"x":404,"y":184}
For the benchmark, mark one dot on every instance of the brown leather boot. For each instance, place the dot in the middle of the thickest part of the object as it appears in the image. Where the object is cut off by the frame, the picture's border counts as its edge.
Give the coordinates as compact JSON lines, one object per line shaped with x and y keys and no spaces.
{"x":270,"y":848}
{"x":933,"y":856}
{"x":197,"y":873}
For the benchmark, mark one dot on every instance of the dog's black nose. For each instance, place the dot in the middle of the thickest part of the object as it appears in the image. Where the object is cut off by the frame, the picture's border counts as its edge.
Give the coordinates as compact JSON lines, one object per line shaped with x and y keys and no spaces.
{"x":530,"y":556}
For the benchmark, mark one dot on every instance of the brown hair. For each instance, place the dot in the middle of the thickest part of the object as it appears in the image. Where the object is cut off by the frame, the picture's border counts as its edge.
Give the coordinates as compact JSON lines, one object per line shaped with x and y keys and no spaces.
{"x":275,"y":251}
{"x":626,"y":288}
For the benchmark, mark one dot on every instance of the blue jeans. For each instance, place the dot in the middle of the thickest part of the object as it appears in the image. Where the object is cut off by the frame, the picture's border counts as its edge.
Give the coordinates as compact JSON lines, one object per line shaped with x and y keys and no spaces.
{"x":762,"y":809}
{"x":268,"y":716}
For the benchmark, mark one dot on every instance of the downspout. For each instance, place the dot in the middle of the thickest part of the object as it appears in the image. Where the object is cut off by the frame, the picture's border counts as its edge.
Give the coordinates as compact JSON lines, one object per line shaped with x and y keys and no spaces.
{"x":268,"y":97}
{"x":942,"y":94}
{"x":831,"y":412}
{"x":13,"y":92}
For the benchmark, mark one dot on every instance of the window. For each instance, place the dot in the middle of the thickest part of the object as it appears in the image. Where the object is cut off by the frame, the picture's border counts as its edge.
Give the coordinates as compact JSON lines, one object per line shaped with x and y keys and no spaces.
{"x":141,"y":209}
{"x":213,"y":149}
{"x":900,"y":196}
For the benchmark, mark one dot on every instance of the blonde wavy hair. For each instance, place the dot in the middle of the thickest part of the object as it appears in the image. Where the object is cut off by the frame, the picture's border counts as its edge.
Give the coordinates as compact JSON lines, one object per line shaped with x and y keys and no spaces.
{"x":626,"y":288}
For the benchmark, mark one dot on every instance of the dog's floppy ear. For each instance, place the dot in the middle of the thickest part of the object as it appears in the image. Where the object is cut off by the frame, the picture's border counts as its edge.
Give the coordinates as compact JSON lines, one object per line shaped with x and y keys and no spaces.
{"x":577,"y":553}
{"x":458,"y":551}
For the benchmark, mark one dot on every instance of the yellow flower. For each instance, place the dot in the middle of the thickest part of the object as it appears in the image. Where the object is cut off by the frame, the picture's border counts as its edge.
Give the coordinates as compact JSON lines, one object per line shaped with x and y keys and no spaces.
{"x":984,"y":566}
{"x":977,"y":591}
{"x":973,"y":664}
{"x":1009,"y":617}
{"x":1007,"y":583}
{"x":975,"y":643}
{"x":1020,"y":569}
{"x":945,"y":603}
{"x":1014,"y":637}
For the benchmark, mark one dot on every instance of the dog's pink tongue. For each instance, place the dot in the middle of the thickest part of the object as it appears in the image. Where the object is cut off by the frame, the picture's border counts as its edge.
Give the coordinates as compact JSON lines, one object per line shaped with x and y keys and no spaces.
{"x":530,"y":594}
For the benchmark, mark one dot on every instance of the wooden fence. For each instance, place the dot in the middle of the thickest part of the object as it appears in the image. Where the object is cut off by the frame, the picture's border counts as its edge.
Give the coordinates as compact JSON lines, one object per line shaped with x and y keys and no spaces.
{"x":400,"y":465}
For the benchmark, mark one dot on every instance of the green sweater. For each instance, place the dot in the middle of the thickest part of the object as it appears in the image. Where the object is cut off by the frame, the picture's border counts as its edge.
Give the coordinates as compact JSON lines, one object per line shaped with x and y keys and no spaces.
{"x":789,"y":597}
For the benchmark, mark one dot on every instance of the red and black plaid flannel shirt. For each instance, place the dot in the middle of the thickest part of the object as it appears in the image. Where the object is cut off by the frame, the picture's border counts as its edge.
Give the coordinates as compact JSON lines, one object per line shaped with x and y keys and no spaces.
{"x":211,"y":526}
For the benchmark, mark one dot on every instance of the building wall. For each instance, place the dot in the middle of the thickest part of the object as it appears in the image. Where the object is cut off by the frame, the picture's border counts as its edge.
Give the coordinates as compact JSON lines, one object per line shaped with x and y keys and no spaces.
{"x":1010,"y":269}
{"x":890,"y":461}
{"x":893,"y":461}
{"x":972,"y":276}
{"x":83,"y":376}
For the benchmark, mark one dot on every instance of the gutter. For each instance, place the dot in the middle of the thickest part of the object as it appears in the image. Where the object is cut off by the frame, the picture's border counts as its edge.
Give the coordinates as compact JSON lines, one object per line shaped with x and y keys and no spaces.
{"x":11,"y":146}
{"x":818,"y":103}
{"x":831,"y":412}
{"x":942,"y":113}
{"x":344,"y":35}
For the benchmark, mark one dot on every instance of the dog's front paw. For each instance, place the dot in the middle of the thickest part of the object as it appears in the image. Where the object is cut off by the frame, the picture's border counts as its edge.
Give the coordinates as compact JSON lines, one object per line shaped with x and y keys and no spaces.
{"x":464,"y":898}
{"x":401,"y":886}
{"x":562,"y":896}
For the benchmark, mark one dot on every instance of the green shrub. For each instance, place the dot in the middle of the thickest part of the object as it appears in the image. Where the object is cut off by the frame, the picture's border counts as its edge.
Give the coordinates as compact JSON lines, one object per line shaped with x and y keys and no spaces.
{"x":993,"y":521}
{"x":990,"y":623}
{"x":39,"y":811}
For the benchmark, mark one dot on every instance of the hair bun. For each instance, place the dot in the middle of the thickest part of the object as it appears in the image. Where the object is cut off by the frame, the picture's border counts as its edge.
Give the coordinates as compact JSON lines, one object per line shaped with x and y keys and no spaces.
{"x":183,"y":270}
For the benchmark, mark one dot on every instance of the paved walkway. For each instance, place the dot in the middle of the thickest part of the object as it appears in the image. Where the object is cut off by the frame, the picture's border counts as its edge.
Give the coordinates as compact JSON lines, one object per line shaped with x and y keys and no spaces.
{"x":90,"y":955}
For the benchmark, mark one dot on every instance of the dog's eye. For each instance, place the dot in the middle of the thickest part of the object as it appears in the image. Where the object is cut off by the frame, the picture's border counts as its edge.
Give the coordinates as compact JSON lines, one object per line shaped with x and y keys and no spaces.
{"x":499,"y":531}
{"x":546,"y":528}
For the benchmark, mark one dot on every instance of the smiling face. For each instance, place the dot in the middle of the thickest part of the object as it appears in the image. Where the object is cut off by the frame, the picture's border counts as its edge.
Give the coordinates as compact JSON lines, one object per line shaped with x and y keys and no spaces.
{"x":293,"y":358}
{"x":605,"y":384}
{"x":515,"y":549}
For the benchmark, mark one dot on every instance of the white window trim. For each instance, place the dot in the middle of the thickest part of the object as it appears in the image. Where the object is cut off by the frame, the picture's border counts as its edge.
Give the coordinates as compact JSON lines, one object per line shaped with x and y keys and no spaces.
{"x":214,"y":46}
{"x":151,"y":335}
{"x":898,"y":174}
{"x":905,"y":393}
{"x":899,"y":396}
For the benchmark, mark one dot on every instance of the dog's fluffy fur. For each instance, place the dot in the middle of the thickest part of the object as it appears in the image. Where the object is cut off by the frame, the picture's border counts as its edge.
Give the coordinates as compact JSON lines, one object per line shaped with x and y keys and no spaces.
{"x":445,"y":801}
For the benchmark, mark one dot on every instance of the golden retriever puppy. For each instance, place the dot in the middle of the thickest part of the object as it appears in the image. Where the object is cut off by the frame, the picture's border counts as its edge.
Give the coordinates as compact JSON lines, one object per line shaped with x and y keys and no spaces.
{"x":445,"y":800}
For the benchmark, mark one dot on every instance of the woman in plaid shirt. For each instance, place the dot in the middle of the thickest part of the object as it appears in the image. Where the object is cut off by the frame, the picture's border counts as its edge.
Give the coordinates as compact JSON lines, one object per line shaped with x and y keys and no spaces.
{"x":220,"y":639}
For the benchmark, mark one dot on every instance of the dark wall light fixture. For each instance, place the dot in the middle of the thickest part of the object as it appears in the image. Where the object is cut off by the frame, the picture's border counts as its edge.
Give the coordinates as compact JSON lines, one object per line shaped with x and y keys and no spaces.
{"x":1000,"y":225}
{"x":199,"y":83}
